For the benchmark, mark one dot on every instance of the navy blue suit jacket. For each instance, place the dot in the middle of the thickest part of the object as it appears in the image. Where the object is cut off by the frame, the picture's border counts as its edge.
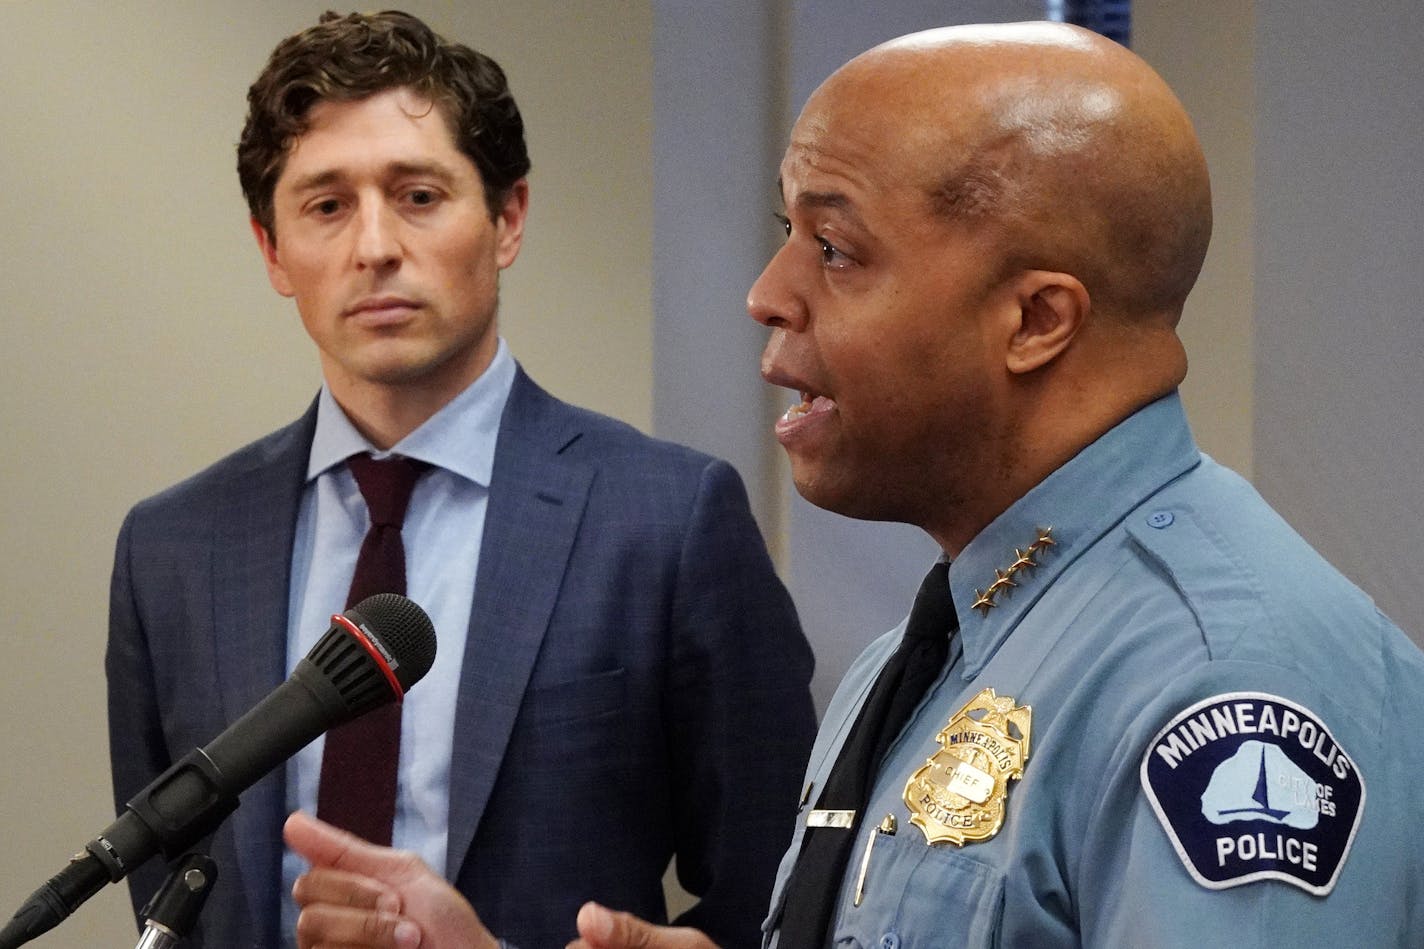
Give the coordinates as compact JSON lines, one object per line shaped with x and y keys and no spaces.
{"x":635,"y":682}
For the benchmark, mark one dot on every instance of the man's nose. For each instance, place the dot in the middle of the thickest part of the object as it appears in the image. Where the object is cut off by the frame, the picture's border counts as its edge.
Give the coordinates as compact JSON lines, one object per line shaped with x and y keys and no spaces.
{"x":377,"y":237}
{"x":773,"y":300}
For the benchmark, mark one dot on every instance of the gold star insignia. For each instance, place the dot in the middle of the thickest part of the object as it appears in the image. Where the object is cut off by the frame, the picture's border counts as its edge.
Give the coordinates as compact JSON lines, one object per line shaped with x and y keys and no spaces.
{"x":984,"y":600}
{"x":1001,"y":579}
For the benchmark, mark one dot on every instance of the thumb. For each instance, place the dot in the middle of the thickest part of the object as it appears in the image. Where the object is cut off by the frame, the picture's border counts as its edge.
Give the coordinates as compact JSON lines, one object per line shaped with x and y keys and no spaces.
{"x":602,"y":928}
{"x":324,"y":845}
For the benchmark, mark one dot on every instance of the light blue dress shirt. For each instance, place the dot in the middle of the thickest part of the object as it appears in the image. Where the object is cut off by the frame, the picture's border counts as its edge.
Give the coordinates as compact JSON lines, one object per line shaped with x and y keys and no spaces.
{"x":1171,"y":594}
{"x":442,"y":532}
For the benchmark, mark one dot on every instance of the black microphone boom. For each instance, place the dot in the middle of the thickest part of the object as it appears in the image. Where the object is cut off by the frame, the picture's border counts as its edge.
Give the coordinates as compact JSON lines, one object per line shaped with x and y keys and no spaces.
{"x":372,"y":654}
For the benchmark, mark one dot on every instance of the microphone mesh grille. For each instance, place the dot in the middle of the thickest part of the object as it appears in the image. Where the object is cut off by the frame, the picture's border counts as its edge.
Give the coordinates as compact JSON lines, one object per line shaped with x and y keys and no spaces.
{"x":403,"y":628}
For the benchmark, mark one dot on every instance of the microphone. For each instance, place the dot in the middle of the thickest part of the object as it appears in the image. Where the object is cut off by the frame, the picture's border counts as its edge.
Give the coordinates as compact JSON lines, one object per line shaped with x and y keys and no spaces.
{"x":372,"y":654}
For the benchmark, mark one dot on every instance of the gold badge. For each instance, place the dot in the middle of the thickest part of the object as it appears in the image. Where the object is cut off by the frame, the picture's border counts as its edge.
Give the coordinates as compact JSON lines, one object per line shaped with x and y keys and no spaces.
{"x":959,"y":793}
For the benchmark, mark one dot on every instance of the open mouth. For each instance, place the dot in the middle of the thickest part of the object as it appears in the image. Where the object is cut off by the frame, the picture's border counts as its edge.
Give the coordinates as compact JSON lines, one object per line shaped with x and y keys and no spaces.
{"x":810,"y":404}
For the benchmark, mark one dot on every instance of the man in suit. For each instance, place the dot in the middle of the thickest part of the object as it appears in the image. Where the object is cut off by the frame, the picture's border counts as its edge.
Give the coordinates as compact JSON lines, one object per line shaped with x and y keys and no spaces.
{"x":1137,"y":709}
{"x":620,"y":677}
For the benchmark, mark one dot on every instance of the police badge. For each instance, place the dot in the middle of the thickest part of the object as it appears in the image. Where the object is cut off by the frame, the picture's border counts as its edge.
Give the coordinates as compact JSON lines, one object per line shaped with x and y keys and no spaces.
{"x":959,"y":793}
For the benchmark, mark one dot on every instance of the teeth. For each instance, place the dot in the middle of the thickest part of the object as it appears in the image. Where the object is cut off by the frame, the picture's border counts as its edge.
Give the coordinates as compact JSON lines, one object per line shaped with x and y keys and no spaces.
{"x":799,"y":409}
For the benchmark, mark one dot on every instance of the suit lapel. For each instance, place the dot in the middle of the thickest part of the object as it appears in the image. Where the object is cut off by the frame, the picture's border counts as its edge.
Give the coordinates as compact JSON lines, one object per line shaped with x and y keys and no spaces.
{"x":537,"y":499}
{"x":251,"y":576}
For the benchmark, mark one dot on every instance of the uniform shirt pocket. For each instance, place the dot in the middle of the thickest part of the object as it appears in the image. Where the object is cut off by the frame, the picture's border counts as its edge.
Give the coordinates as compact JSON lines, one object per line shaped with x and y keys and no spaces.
{"x":916,"y":895}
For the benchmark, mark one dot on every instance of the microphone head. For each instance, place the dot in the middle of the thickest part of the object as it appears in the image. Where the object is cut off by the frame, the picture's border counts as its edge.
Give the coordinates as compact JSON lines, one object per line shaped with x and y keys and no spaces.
{"x":373,"y":653}
{"x":401,"y":630}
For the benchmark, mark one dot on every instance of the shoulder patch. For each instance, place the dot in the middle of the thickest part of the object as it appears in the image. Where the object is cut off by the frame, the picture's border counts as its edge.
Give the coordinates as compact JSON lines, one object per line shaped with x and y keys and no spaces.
{"x":1251,"y":786}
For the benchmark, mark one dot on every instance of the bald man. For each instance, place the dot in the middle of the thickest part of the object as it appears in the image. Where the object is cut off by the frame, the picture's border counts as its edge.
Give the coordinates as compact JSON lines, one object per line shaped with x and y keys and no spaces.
{"x":1160,"y":711}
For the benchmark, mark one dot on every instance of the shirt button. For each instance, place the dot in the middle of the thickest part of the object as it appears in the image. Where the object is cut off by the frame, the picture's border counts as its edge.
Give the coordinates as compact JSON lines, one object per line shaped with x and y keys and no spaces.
{"x":1160,"y":519}
{"x":890,"y":940}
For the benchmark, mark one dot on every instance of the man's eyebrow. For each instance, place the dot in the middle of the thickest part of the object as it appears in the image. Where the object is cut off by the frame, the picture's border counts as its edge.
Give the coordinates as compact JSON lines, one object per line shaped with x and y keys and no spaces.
{"x":401,"y":169}
{"x":828,"y":200}
{"x":832,"y":200}
{"x":315,"y":180}
{"x":426,"y":169}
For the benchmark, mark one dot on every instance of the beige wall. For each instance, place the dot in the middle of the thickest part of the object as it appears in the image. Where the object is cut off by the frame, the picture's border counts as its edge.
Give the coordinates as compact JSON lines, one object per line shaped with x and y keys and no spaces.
{"x":1205,"y":52}
{"x":139,"y":339}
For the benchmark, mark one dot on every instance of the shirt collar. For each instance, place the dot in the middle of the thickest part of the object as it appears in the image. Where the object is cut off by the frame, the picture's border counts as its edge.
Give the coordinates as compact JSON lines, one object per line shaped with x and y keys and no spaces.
{"x":459,"y":438}
{"x":1061,"y":517}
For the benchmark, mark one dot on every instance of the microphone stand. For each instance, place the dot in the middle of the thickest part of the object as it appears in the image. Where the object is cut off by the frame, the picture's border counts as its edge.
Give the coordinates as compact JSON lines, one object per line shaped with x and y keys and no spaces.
{"x":173,"y":912}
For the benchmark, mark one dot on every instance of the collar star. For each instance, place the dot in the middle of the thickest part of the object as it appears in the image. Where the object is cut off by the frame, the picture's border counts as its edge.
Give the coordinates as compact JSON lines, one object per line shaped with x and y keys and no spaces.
{"x":985,"y":600}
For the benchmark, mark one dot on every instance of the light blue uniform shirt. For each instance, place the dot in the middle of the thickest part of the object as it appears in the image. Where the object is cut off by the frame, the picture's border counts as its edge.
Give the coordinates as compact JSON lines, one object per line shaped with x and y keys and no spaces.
{"x":442,"y":531}
{"x":1172,"y":609}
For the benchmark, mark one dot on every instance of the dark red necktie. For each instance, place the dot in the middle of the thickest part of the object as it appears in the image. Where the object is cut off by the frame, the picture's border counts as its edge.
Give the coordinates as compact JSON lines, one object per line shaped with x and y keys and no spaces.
{"x":358,"y":768}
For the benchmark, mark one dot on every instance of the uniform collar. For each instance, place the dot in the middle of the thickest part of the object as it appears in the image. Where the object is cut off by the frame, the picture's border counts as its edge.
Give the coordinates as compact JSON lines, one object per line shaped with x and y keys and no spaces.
{"x":1017,"y":557}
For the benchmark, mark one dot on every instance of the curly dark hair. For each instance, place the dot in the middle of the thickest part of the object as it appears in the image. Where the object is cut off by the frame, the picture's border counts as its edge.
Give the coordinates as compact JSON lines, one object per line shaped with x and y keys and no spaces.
{"x":347,"y":58}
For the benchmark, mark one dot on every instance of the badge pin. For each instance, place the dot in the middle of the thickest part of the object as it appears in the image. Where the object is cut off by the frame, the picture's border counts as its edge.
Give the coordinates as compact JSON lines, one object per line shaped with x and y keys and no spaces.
{"x":960,"y":792}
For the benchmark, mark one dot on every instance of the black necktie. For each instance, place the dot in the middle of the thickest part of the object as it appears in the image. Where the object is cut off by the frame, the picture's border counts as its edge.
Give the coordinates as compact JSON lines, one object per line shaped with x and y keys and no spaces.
{"x":358,"y":767}
{"x":815,"y":881}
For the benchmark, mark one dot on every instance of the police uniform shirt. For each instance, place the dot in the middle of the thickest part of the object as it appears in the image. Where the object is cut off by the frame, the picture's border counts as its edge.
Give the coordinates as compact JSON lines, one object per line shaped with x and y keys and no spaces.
{"x":1222,"y":734}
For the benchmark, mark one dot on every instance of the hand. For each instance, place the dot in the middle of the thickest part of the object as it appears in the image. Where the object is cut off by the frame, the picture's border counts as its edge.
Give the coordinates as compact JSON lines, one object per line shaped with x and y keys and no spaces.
{"x":601,"y":928}
{"x":358,"y":894}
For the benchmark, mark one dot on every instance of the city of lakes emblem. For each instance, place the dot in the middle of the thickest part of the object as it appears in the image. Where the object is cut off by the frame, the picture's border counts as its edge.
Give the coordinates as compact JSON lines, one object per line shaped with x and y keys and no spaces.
{"x":960,"y":793}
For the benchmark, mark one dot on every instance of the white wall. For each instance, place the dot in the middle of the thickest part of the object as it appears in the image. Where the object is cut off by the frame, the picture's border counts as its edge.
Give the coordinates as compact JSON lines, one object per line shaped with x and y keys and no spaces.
{"x":1340,"y":279}
{"x":139,"y":339}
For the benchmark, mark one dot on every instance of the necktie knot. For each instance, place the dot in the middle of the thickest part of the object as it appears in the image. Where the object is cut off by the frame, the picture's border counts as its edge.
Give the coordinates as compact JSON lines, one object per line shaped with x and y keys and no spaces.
{"x":386,"y":485}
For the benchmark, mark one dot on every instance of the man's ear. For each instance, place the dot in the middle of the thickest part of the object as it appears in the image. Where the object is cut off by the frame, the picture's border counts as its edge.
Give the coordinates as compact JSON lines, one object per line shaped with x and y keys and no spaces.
{"x":1052,"y":308}
{"x":276,"y":273}
{"x":509,"y":223}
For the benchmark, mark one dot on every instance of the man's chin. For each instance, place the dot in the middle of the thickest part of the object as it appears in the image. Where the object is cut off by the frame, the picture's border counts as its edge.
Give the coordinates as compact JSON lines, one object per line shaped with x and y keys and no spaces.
{"x":404,"y":367}
{"x":836,"y":494}
{"x":848,"y":495}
